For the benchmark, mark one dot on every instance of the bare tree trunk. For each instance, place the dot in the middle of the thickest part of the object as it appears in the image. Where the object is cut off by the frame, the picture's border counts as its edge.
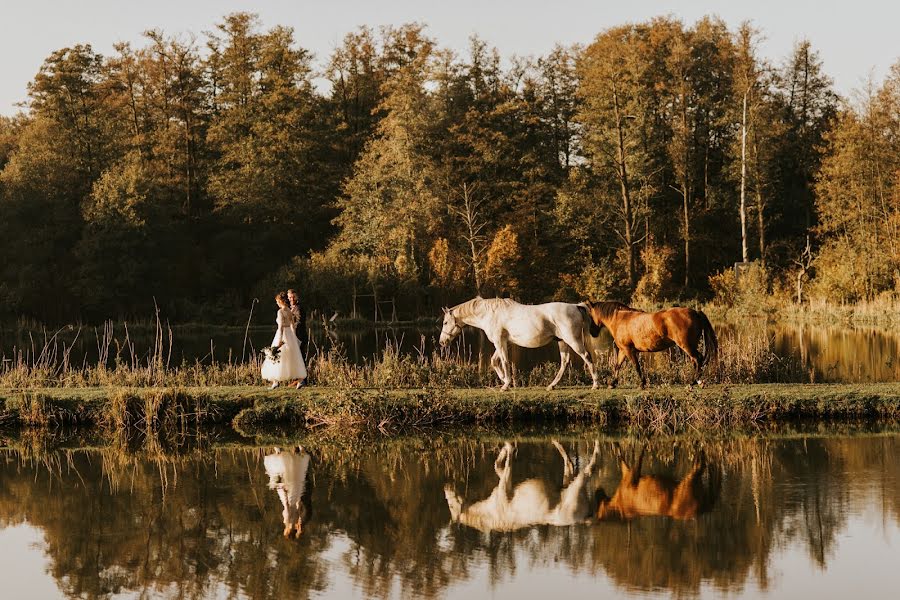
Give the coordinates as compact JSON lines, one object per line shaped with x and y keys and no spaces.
{"x":687,"y":235}
{"x":804,"y":264}
{"x":685,"y":194}
{"x":744,"y":254}
{"x":760,"y":217}
{"x":627,"y":209}
{"x":474,"y":226}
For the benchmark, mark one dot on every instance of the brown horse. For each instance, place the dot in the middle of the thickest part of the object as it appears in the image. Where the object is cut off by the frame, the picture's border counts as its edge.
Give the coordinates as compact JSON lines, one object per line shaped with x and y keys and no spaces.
{"x":654,"y":495}
{"x":635,"y":331}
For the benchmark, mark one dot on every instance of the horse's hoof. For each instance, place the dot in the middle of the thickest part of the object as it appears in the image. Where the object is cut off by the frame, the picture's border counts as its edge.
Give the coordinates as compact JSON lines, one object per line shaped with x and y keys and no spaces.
{"x":700,"y":384}
{"x":549,"y":388}
{"x":595,"y":386}
{"x":504,"y":387}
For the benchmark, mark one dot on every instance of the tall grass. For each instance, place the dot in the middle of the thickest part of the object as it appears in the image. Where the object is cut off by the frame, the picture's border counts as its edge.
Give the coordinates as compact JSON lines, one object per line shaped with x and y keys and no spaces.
{"x":882,"y":310}
{"x":745,"y":356}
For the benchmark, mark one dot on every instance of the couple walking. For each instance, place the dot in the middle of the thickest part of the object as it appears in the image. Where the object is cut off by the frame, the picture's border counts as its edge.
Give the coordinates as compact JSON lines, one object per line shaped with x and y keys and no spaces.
{"x":292,"y":341}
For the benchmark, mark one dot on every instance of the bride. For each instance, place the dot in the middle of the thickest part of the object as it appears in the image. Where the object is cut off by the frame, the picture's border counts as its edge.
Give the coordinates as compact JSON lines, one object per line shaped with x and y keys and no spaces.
{"x":289,"y":365}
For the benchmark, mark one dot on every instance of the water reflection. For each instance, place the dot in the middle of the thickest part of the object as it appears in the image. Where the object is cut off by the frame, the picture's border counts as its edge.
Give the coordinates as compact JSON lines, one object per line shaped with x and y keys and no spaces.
{"x":443,"y":517}
{"x":510,"y":508}
{"x":639,"y":494}
{"x":287,"y":473}
{"x":836,"y":353}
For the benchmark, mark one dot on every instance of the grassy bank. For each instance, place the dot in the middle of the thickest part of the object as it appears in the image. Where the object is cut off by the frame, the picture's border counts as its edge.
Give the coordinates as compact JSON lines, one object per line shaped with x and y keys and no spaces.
{"x":744,"y":356}
{"x":185,"y":410}
{"x":883,"y":311}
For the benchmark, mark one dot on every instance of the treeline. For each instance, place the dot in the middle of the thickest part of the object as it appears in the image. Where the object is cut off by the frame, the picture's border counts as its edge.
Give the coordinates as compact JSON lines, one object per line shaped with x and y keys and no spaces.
{"x":200,"y":174}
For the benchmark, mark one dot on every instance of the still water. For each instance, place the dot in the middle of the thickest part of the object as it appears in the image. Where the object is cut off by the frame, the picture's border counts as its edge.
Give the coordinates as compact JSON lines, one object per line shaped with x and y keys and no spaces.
{"x":573,"y":515}
{"x":810,"y":353}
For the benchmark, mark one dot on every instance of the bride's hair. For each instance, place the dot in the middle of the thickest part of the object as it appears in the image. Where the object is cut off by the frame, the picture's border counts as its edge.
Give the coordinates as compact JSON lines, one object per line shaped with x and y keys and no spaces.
{"x":281,"y":298}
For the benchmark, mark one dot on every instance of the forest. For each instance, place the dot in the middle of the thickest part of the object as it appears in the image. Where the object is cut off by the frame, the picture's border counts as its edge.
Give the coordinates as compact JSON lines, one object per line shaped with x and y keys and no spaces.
{"x":199,"y":172}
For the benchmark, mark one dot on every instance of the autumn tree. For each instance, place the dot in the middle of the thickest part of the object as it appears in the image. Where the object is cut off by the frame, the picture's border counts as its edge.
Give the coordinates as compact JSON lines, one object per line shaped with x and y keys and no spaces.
{"x":59,"y":153}
{"x":808,"y":106}
{"x":610,"y":113}
{"x":857,"y":193}
{"x":389,"y":205}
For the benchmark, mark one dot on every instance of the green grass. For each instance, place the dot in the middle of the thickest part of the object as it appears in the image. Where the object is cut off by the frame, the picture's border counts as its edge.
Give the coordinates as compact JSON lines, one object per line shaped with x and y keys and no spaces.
{"x":184,"y":410}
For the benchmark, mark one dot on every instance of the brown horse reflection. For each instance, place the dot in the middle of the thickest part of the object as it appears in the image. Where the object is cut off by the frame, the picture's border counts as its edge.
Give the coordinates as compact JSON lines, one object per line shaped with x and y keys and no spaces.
{"x":634,"y":331}
{"x":508,"y":508}
{"x":656,"y":495}
{"x":287,"y":476}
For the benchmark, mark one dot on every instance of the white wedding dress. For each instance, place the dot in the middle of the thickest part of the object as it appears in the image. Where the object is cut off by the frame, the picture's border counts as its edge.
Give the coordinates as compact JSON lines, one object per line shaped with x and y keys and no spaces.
{"x":290,"y":365}
{"x":287,"y":476}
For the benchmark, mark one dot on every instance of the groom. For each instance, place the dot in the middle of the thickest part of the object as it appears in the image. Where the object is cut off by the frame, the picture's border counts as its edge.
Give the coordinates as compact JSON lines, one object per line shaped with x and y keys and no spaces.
{"x":300,"y":320}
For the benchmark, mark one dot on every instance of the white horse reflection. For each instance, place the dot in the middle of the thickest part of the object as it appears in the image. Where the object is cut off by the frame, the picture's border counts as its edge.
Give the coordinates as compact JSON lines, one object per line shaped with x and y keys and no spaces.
{"x":287,"y":476}
{"x":508,"y":508}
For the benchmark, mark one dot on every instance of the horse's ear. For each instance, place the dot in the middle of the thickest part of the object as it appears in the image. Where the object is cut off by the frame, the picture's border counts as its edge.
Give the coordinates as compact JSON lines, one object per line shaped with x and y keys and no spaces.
{"x":445,"y":310}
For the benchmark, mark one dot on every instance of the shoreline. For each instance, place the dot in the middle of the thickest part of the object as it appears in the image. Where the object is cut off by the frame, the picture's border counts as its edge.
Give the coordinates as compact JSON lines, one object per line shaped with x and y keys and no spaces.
{"x":167,"y":411}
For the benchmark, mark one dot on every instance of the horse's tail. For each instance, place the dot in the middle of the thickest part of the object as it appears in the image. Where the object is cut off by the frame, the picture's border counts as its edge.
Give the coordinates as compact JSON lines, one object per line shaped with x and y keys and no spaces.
{"x":592,"y":328}
{"x":709,"y":337}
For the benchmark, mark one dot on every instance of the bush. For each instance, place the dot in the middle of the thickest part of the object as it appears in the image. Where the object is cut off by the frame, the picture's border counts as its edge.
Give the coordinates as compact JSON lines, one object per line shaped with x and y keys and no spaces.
{"x":750,"y":291}
{"x":656,"y":283}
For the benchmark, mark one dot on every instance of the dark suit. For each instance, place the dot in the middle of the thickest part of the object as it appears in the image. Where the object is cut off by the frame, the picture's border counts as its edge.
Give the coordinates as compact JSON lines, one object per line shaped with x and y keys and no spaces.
{"x":302,"y":332}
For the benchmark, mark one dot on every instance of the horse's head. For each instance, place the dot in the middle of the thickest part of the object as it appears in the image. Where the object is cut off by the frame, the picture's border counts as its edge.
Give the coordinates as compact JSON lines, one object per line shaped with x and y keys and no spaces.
{"x":602,"y":312}
{"x":594,"y":324}
{"x":454,"y":502}
{"x":605,"y":510}
{"x":451,"y":328}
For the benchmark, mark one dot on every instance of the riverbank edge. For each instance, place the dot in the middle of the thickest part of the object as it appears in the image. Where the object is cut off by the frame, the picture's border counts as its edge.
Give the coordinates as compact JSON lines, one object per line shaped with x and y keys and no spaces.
{"x":248,"y":409}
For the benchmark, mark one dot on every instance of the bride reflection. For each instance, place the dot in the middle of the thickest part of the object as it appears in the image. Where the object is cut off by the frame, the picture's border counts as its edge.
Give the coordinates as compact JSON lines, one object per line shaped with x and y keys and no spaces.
{"x":287,"y":473}
{"x":509,"y":508}
{"x":658,"y":495}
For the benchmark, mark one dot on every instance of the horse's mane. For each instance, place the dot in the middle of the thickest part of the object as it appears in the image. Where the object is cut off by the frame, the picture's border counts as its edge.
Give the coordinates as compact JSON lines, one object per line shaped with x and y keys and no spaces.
{"x":478,"y":304}
{"x":608,"y":309}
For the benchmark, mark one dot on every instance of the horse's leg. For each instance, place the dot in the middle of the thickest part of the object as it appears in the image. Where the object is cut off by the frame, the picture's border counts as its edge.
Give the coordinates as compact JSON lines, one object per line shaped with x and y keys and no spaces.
{"x":635,"y":358}
{"x":698,"y":366}
{"x":589,"y":467}
{"x":503,"y":349}
{"x":694,"y":354}
{"x":640,"y":463}
{"x":564,"y":358}
{"x":495,"y":364}
{"x":504,"y":472}
{"x":577,"y":345}
{"x":686,"y":496}
{"x":619,"y":357}
{"x":574,"y":503}
{"x":568,"y":467}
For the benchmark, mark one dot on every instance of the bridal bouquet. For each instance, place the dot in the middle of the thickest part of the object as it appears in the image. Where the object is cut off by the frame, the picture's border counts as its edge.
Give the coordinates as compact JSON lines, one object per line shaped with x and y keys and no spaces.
{"x":272,"y":353}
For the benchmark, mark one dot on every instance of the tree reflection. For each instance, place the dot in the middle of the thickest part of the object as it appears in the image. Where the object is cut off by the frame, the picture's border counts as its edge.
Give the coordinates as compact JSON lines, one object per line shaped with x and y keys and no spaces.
{"x":212,"y":523}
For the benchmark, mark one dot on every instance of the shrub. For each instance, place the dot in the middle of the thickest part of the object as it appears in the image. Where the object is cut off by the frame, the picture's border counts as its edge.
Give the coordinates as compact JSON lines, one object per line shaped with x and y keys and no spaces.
{"x":749,"y":291}
{"x":655,"y":285}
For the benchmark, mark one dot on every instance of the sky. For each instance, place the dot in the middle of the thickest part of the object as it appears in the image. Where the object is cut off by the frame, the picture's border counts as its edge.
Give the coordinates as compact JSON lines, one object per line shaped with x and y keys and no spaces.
{"x":856,"y":39}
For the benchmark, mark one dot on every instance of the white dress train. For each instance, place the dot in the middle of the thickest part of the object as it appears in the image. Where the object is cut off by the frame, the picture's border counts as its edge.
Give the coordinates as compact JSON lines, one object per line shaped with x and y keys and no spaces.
{"x":290,"y":365}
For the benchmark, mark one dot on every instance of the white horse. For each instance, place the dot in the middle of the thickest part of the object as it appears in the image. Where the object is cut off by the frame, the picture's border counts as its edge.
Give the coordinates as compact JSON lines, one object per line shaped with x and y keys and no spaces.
{"x":505,"y":321}
{"x":508,"y":509}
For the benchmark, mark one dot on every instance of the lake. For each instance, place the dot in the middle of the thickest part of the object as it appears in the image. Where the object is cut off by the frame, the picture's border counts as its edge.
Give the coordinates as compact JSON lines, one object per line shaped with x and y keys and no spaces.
{"x":799,"y":514}
{"x":837,"y":354}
